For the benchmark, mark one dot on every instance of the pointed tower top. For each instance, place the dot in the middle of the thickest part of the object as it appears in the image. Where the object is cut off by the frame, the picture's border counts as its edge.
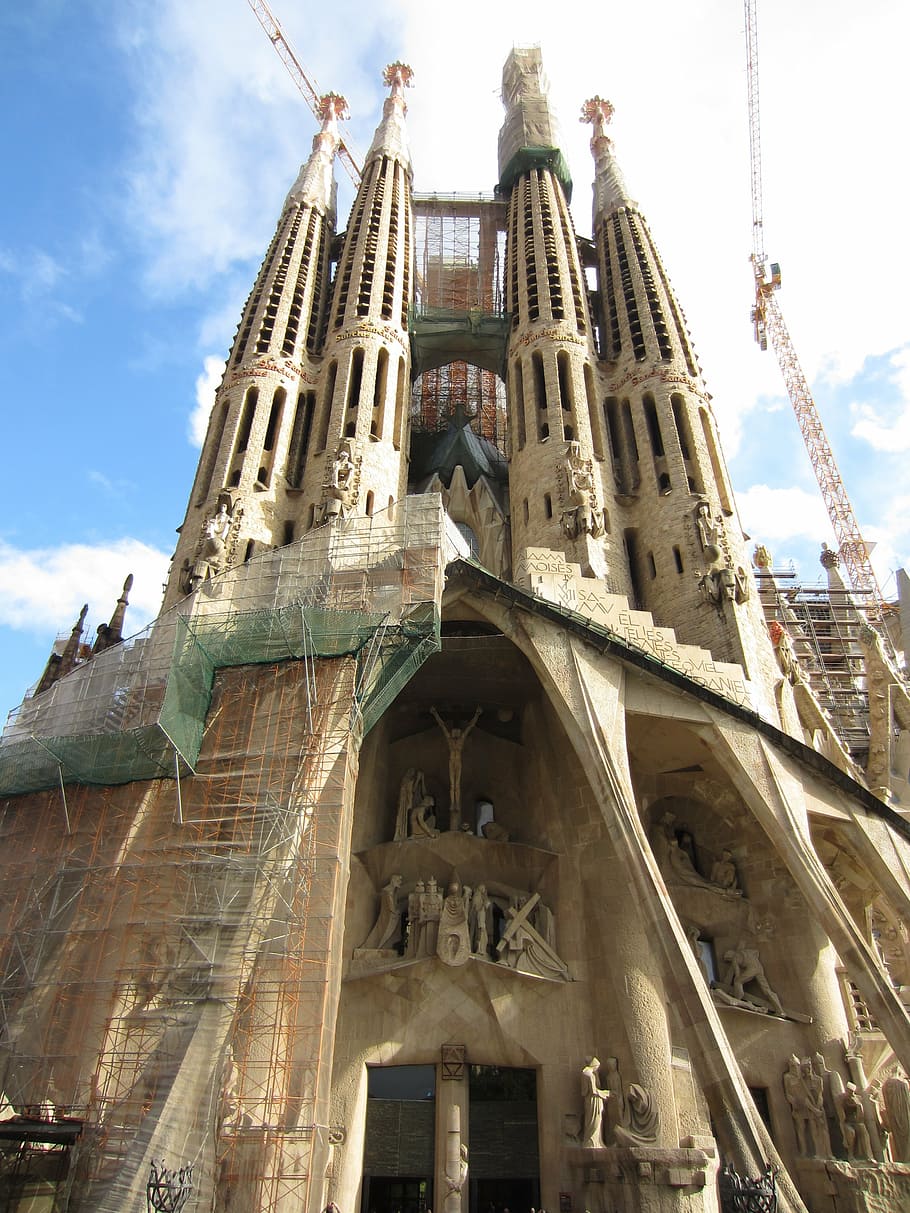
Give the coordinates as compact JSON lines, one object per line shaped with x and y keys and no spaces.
{"x":111,"y":633}
{"x":610,"y":190}
{"x":529,"y":136}
{"x":315,"y":184}
{"x":391,"y":136}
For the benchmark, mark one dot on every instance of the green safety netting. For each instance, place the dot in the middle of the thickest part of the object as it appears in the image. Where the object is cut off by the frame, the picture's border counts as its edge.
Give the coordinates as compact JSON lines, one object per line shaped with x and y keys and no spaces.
{"x":527,"y":158}
{"x":366,"y":587}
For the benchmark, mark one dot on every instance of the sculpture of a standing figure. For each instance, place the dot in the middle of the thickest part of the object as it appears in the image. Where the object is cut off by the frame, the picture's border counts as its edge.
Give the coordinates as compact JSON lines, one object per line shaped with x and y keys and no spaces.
{"x":455,"y":737}
{"x":594,"y":1098}
{"x":387,"y":930}
{"x":852,"y":1117}
{"x":897,"y":1116}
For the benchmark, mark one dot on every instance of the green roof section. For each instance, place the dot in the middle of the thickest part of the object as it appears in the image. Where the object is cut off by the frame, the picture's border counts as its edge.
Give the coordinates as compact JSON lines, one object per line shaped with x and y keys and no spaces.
{"x":367,"y":588}
{"x":528,"y":158}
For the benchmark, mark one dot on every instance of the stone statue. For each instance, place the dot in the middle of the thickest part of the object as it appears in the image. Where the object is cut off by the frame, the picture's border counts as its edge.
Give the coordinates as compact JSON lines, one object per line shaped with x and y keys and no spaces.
{"x":422,"y":822}
{"x":424,"y":910}
{"x":641,"y":1120}
{"x":412,"y":791}
{"x":211,"y":553}
{"x":804,"y":1090}
{"x":615,"y":1104}
{"x":786,"y":655}
{"x":387,"y":929}
{"x":523,"y":946}
{"x":455,"y":738}
{"x":851,"y":1113}
{"x":341,"y":492}
{"x":456,"y":1168}
{"x":453,"y":942}
{"x":708,"y":531}
{"x":742,"y":967}
{"x":480,"y":910}
{"x":593,"y":1098}
{"x":723,"y":873}
{"x":797,"y":1098}
{"x":896,"y":1092}
{"x":582,"y":515}
{"x":814,"y":1084}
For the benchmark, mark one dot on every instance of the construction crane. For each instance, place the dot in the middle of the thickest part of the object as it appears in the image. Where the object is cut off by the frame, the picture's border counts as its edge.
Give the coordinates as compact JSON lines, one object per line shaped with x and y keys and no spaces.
{"x":770,"y":326}
{"x":306,"y":85}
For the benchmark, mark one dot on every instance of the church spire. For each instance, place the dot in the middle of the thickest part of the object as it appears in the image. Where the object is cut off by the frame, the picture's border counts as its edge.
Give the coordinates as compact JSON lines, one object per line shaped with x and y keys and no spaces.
{"x":556,"y":478}
{"x":315,"y":184}
{"x":246,"y":494}
{"x":391,"y":137}
{"x":111,"y":633}
{"x":361,"y":426}
{"x":610,"y":190}
{"x":684,"y":547}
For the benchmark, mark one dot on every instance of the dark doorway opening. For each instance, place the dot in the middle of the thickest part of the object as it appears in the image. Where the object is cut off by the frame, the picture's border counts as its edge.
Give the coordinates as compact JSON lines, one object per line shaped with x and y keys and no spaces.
{"x":502,"y":1195}
{"x":398,"y":1194}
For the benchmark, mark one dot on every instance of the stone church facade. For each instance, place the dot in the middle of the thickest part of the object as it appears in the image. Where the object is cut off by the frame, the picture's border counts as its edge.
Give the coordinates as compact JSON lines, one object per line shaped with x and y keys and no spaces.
{"x":459,"y":836}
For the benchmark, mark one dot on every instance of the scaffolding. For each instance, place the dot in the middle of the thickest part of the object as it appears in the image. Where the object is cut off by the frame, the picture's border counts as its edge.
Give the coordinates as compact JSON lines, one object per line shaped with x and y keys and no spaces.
{"x":459,"y":328}
{"x":169,"y":948}
{"x":823,"y":623}
{"x":368,"y":587}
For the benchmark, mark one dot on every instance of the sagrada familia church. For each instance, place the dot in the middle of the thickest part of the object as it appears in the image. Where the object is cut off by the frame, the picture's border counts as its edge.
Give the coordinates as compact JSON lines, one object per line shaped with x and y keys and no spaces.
{"x":472,"y":830}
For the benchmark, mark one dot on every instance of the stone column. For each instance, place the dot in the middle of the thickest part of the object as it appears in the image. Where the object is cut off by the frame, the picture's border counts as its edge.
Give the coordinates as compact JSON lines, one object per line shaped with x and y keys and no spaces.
{"x":451,"y":1131}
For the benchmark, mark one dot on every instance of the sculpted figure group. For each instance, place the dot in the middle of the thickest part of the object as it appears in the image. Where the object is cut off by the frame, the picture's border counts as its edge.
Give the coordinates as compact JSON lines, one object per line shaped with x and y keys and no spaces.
{"x":868,"y":1131}
{"x":459,"y":923}
{"x":674,"y":847}
{"x":611,"y":1118}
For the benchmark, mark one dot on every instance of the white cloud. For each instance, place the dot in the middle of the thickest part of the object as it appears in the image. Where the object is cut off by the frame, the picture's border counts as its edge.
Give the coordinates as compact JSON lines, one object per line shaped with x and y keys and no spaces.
{"x":888,"y":428}
{"x":784,"y":514}
{"x":206,"y":386}
{"x":43,"y":587}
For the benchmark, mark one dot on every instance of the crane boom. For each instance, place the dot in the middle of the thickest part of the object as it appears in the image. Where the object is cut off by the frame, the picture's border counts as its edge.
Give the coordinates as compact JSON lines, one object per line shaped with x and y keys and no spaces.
{"x":770,"y":325}
{"x":306,"y":85}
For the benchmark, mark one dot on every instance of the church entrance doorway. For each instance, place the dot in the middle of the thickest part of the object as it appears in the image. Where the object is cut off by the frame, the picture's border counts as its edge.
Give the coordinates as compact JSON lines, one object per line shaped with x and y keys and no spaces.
{"x":382,"y":1194}
{"x":504,"y":1195}
{"x":504,"y":1167}
{"x":400,"y":1139}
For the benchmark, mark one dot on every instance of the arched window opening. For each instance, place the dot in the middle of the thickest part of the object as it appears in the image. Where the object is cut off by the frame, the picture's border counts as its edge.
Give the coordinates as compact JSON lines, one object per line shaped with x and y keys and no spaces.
{"x":630,"y":538}
{"x":595,"y":415}
{"x":331,"y":378}
{"x":540,"y":382}
{"x":246,"y":420}
{"x":369,"y":504}
{"x":400,"y":395}
{"x":653,"y":425}
{"x":467,"y":534}
{"x":518,"y":403}
{"x":274,"y":418}
{"x":380,"y":388}
{"x":300,"y":438}
{"x":564,"y":376}
{"x":547,"y":505}
{"x":355,"y":379}
{"x":720,"y":479}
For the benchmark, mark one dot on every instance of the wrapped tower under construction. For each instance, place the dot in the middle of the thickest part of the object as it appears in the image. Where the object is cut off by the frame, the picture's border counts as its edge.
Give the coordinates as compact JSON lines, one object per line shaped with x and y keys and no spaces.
{"x":469,"y":831}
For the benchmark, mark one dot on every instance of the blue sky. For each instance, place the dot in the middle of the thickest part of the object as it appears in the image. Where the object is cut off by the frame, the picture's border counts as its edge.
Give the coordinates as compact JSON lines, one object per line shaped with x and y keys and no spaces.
{"x":149,"y":145}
